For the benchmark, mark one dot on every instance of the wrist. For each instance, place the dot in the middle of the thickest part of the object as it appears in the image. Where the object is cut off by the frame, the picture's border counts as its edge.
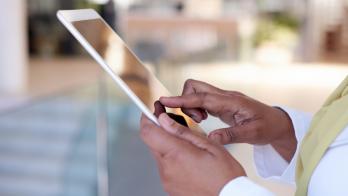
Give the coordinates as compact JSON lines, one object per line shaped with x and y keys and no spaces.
{"x":286,"y":143}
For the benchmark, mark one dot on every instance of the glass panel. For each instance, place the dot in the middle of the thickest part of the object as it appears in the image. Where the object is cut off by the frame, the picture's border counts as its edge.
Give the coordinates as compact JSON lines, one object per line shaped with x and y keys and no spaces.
{"x":131,"y":168}
{"x":48,"y":147}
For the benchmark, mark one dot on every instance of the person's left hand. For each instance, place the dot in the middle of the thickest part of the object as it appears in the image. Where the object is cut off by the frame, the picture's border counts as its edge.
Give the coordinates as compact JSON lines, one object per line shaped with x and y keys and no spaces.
{"x":189,"y":164}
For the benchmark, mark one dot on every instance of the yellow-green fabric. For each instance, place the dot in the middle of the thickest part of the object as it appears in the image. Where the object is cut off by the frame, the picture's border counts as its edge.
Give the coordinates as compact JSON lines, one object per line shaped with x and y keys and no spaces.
{"x":326,"y":125}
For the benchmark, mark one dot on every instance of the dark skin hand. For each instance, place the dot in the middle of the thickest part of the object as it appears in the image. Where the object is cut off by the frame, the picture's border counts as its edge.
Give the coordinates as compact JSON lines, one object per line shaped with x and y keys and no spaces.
{"x":189,"y":164}
{"x":249,"y":121}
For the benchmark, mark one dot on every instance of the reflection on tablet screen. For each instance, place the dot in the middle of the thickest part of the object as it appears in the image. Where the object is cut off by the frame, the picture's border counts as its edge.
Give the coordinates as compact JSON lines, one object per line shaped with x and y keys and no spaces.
{"x":124,"y":64}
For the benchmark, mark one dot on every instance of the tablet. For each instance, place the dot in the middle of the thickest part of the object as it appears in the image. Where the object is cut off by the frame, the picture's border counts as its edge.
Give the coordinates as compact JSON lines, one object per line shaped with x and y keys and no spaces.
{"x":121,"y":64}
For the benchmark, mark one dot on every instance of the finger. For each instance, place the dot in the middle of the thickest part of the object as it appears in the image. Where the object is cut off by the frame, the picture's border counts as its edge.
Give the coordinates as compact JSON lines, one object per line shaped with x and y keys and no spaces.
{"x":184,"y":133}
{"x":203,"y":113}
{"x":238,"y":134}
{"x":194,"y":86}
{"x":159,"y":108}
{"x":205,"y":101}
{"x":159,"y":141}
{"x":196,"y":114}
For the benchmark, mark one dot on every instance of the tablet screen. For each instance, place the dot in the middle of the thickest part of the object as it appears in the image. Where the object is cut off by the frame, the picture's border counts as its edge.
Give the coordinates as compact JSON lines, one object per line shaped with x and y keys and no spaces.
{"x":124,"y":63}
{"x":121,"y":61}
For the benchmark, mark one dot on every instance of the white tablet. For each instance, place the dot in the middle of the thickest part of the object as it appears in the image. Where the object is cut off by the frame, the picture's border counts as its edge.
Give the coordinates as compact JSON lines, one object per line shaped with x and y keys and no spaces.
{"x":112,"y":54}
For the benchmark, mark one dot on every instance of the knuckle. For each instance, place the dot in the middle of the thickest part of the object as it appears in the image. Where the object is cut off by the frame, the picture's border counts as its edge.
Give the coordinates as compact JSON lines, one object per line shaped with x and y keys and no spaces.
{"x":231,"y":134}
{"x":189,"y":81}
{"x":189,"y":84}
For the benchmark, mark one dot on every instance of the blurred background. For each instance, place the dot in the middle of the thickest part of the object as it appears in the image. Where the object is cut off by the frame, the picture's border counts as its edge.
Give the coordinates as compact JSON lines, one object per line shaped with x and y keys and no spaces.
{"x":65,"y":129}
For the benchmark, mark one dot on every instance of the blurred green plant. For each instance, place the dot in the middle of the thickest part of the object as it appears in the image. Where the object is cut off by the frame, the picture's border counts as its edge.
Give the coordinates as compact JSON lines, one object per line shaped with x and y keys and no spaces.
{"x":279,"y":28}
{"x":82,"y":4}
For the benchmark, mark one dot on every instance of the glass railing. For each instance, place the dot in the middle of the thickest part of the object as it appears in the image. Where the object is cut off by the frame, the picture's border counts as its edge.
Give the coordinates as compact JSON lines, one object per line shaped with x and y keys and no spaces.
{"x":81,"y":142}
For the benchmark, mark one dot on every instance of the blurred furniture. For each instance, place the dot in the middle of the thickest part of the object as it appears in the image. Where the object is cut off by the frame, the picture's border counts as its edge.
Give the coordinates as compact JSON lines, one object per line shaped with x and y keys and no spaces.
{"x":181,"y":36}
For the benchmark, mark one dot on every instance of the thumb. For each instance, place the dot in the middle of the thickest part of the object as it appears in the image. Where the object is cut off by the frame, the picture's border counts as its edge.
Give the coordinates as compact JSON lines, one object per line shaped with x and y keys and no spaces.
{"x":184,"y":133}
{"x":229,"y":135}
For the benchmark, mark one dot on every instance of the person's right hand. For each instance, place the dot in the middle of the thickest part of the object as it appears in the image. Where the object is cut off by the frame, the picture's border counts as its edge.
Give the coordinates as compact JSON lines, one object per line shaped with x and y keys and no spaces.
{"x":250,"y":121}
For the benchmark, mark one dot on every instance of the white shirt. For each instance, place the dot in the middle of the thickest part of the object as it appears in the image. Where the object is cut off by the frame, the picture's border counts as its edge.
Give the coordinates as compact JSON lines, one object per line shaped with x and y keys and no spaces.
{"x":329,"y":177}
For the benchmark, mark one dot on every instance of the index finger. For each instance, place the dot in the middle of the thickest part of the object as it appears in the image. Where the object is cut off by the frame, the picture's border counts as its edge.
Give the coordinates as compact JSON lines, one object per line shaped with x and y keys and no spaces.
{"x":213,"y":103}
{"x":194,"y":86}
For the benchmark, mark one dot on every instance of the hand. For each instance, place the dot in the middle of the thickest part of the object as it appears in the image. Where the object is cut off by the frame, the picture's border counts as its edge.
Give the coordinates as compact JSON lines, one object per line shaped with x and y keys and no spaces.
{"x":189,"y":164}
{"x":250,"y":121}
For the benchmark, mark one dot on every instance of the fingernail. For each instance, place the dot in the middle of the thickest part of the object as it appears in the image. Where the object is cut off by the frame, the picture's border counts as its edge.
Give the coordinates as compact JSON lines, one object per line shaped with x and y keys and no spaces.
{"x":164,"y":118}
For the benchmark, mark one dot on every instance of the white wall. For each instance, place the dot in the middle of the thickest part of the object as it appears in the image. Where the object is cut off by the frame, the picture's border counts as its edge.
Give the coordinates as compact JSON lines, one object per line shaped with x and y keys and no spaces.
{"x":13,"y":46}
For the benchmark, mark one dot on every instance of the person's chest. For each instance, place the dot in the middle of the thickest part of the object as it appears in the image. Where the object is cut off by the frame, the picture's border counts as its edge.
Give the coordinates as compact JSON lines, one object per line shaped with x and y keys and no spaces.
{"x":331,"y":174}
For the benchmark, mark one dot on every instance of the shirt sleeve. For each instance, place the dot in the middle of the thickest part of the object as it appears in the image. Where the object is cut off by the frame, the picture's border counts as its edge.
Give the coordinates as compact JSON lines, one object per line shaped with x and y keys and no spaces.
{"x":243,"y":186}
{"x":268,"y":162}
